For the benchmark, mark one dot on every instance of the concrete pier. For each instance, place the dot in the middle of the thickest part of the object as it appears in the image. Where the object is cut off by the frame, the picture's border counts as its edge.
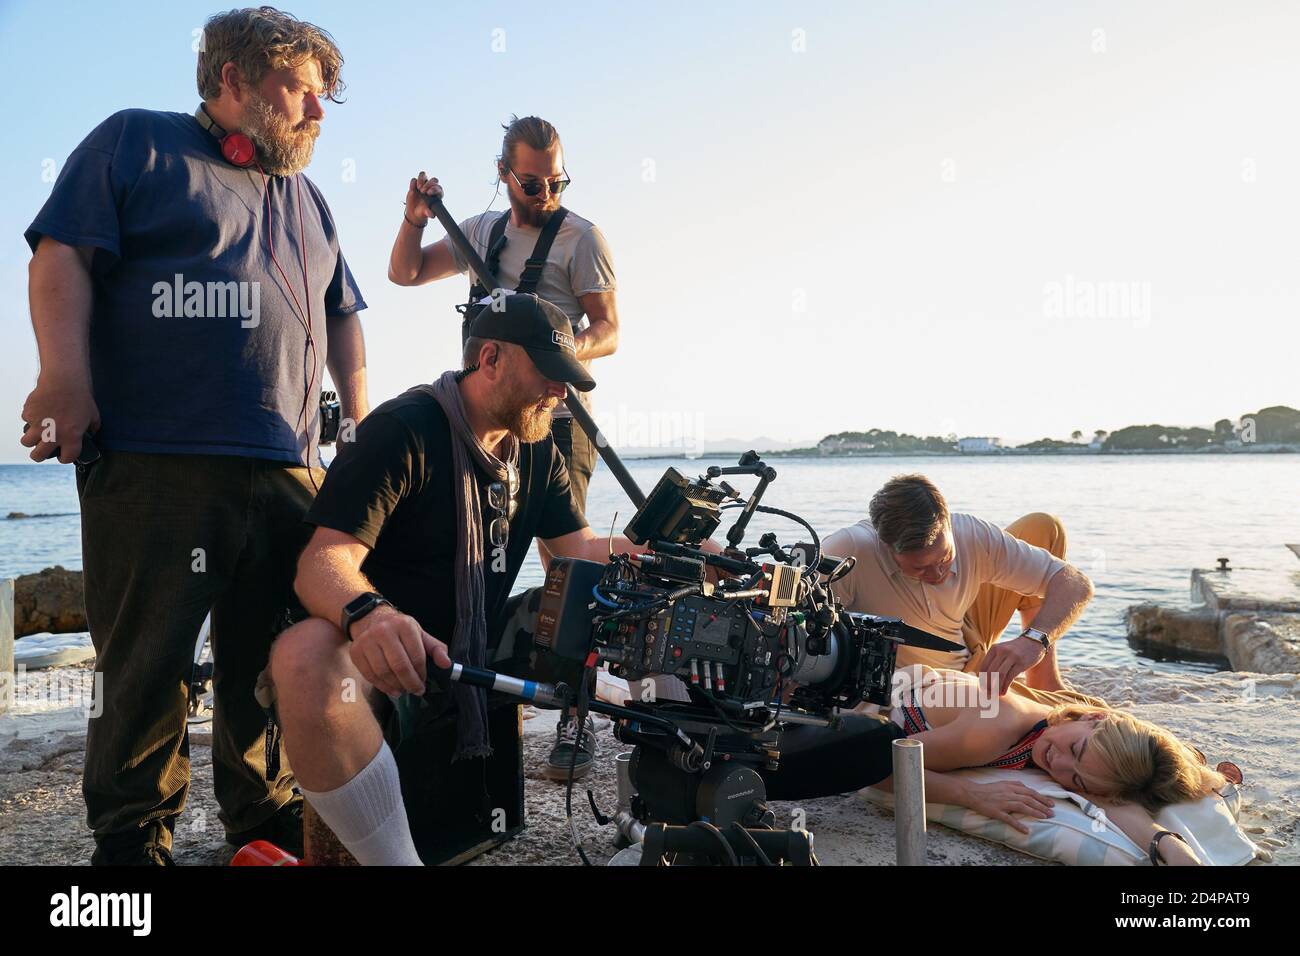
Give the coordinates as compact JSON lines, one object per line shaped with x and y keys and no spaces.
{"x":1246,"y":617}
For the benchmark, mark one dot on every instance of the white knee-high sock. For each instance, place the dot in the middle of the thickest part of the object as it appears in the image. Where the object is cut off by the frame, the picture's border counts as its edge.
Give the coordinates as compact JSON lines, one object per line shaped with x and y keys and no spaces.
{"x":368,"y":816}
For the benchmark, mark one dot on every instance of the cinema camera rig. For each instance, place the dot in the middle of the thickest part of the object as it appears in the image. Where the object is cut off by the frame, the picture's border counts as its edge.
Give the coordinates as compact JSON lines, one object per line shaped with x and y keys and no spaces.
{"x":755,"y":636}
{"x":737,"y":631}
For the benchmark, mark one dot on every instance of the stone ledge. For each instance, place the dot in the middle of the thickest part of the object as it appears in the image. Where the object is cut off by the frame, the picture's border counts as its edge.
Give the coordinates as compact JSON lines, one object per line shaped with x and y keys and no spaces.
{"x":1248,"y":589}
{"x":1168,"y":632}
{"x":1246,"y":617}
{"x":1263,"y":643}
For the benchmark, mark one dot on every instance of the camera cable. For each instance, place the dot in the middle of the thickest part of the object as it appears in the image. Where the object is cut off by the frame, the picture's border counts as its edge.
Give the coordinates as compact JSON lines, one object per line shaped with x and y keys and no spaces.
{"x":749,"y":838}
{"x":728,"y":854}
{"x":816,"y":538}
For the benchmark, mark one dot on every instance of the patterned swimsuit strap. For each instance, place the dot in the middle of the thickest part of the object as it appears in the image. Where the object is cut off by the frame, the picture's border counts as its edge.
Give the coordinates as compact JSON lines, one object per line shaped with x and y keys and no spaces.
{"x":1017,"y":758}
{"x":1021,"y":755}
{"x":914,"y":721}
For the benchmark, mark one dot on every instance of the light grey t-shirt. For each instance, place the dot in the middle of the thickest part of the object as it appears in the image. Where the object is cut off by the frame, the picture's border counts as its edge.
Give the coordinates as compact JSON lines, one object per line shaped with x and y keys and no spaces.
{"x":985,"y":554}
{"x":579,"y":262}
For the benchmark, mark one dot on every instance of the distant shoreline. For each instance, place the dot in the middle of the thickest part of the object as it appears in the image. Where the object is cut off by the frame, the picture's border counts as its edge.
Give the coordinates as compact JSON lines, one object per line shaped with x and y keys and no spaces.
{"x":1271,"y":449}
{"x":679,"y":453}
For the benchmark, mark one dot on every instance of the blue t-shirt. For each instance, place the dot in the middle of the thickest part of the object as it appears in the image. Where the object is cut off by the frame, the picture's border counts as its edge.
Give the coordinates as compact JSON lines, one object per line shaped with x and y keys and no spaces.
{"x":196,"y":343}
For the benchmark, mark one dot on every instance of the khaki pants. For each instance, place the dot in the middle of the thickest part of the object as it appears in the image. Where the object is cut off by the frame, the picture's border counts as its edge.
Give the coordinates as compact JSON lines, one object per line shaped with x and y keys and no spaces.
{"x":988,"y":617}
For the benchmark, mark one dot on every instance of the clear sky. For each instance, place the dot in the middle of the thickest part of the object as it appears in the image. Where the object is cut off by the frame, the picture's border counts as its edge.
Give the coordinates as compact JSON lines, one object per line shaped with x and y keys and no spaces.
{"x":1014,"y":219}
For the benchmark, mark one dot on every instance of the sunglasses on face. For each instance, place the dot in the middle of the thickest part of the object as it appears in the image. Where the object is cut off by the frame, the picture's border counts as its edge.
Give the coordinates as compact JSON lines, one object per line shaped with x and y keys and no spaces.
{"x":533,"y":187}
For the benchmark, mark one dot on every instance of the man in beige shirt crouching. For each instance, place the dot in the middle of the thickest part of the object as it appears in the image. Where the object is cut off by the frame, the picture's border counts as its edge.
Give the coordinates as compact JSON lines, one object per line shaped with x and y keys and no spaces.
{"x":961,"y":578}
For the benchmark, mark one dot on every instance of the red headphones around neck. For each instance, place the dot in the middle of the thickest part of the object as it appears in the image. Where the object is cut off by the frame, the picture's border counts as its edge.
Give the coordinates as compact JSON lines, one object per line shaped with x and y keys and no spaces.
{"x":237,"y":148}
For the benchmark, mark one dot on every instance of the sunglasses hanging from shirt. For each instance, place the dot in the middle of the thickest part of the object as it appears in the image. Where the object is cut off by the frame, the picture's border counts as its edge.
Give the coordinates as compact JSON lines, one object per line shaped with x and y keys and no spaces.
{"x":502,"y":497}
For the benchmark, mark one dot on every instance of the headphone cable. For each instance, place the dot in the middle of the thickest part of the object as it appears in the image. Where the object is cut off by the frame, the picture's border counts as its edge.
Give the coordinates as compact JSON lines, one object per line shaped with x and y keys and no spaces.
{"x":298,"y":310}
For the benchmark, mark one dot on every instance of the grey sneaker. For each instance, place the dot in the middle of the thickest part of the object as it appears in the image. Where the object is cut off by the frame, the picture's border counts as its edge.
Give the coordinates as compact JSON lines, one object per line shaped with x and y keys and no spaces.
{"x":567,"y":740}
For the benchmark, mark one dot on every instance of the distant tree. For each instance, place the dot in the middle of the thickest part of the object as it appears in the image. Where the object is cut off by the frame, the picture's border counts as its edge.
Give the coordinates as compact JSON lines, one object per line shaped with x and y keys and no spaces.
{"x":1045,"y":444}
{"x":1277,"y":423}
{"x":936,"y":443}
{"x":878,"y":440}
{"x":1147,"y":437}
{"x":1136,"y":437}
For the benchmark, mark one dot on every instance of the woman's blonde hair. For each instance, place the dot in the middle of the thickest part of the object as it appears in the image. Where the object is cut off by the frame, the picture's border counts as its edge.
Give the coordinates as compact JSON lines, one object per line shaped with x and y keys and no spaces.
{"x":1144,"y":763}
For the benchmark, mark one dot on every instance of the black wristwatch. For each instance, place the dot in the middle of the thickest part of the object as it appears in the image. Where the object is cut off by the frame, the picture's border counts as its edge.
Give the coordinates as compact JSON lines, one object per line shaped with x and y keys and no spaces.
{"x":1034,"y":634}
{"x":359,"y":607}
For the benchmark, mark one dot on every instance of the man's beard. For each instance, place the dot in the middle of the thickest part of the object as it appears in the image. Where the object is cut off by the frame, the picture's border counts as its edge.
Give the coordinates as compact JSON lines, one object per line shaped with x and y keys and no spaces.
{"x":528,"y":420}
{"x":528,"y":214}
{"x":283,"y":150}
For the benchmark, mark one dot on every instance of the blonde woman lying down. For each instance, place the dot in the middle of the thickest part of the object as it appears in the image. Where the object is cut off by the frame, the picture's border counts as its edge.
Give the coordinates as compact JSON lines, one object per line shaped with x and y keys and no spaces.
{"x":1129,"y":767}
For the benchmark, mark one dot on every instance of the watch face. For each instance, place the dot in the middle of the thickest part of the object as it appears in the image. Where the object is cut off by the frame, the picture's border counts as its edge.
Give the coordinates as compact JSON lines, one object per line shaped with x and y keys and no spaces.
{"x":360,"y":603}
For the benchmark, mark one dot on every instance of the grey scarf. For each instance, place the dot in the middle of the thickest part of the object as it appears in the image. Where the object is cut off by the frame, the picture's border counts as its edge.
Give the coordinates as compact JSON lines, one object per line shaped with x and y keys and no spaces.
{"x":469,"y":641}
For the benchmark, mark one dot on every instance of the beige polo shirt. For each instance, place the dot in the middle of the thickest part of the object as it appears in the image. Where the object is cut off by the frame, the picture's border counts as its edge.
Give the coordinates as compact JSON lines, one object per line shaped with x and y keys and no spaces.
{"x":985,"y":554}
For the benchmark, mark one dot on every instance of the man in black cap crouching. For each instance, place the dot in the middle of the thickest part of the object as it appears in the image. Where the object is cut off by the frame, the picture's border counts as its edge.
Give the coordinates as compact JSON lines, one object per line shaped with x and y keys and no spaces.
{"x":422,"y":524}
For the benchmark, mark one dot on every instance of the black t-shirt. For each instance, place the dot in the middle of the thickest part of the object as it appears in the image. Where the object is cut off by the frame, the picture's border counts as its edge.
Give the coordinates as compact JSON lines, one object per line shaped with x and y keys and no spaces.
{"x":391,"y":488}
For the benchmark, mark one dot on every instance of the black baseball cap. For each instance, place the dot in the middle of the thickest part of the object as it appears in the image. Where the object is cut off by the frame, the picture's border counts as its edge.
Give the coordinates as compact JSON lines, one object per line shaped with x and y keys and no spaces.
{"x":542,"y":329}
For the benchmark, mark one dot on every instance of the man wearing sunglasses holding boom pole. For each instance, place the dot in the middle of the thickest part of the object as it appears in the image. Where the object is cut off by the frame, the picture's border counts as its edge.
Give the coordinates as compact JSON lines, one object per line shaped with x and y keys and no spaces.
{"x":539,"y":247}
{"x":536,"y":246}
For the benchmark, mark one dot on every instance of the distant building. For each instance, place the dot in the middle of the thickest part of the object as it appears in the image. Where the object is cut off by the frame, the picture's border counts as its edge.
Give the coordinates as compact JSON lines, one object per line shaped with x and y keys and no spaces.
{"x":980,"y":444}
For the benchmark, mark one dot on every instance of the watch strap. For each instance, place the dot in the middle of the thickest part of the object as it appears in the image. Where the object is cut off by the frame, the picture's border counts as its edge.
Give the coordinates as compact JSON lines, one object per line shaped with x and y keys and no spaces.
{"x":1036,"y":635}
{"x":359,"y":607}
{"x":1154,"y":850}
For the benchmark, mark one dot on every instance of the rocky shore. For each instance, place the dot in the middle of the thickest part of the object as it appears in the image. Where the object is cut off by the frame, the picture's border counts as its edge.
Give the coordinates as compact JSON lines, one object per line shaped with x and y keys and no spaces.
{"x":1248,"y":619}
{"x":1251,"y":719}
{"x":50,"y":600}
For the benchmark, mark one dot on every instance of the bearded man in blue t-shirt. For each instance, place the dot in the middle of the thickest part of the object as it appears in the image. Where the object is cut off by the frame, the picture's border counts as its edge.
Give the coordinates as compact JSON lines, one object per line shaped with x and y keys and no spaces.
{"x":187,"y":293}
